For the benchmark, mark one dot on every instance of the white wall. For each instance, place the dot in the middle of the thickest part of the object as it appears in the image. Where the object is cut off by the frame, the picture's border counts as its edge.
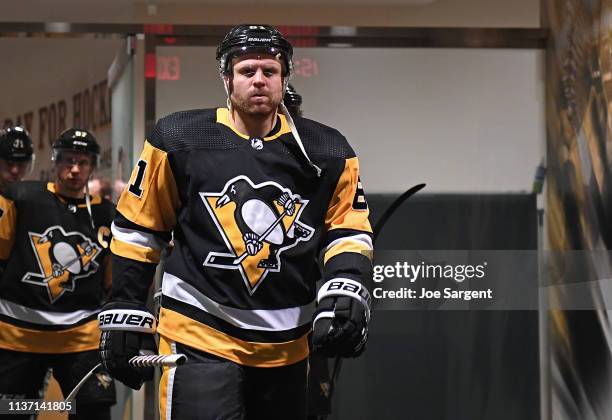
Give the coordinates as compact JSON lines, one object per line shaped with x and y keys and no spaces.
{"x":460,"y":120}
{"x":41,"y":73}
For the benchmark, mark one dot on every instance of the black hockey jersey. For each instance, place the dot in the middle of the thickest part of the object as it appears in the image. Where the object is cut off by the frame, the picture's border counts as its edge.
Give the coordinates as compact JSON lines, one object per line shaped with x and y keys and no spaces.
{"x":249,"y":218}
{"x":55,"y":269}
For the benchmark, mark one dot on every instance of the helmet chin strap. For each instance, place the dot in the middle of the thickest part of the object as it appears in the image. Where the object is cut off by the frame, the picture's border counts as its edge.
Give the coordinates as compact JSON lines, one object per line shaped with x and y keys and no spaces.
{"x":293,"y":128}
{"x":297,"y":138}
{"x":227,"y":92}
{"x":88,"y":203}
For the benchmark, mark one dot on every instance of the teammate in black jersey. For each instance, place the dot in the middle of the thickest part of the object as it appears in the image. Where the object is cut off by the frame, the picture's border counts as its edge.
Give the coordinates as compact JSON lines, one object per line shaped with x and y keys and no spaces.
{"x":54,"y":242}
{"x":16,"y":155}
{"x":252,"y":198}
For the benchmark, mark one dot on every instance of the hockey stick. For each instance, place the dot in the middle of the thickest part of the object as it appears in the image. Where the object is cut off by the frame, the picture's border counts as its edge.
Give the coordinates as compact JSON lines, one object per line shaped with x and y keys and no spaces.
{"x":234,"y":261}
{"x":393,"y":207}
{"x":170,"y":360}
{"x":375,"y":234}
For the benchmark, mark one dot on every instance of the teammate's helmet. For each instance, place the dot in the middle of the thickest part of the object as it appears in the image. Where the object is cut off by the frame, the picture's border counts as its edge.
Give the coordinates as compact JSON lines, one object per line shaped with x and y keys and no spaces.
{"x":293,"y":101}
{"x":244,"y":39}
{"x":292,"y":98}
{"x":76,"y":140}
{"x":16,"y":145}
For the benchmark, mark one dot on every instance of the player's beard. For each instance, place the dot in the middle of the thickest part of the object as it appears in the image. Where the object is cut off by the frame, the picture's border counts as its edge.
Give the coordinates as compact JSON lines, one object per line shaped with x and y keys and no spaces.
{"x":246,"y":107}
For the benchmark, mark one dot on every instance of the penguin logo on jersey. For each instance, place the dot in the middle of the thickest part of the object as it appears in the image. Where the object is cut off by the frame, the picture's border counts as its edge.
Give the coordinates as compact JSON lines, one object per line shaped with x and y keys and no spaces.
{"x":62,"y":258}
{"x":257,"y":223}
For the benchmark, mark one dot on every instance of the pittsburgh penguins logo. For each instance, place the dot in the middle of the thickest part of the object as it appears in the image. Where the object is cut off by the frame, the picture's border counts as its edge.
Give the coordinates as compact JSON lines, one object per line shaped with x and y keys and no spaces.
{"x":62,"y":258}
{"x":257,"y":223}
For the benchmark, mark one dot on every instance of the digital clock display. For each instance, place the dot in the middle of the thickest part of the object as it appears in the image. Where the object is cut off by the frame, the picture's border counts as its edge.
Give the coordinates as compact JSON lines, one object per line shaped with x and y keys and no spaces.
{"x":162,"y":67}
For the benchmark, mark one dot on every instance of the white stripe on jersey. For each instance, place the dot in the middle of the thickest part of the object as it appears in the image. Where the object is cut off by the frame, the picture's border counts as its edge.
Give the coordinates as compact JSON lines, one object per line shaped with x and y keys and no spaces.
{"x":136,"y":237}
{"x":36,"y":316}
{"x":255,"y":319}
{"x":366,"y":240}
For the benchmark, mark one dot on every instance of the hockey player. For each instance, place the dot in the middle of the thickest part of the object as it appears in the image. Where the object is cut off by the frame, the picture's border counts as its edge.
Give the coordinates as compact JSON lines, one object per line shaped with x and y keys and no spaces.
{"x":16,"y":155}
{"x":252,"y":198}
{"x":54,"y":243}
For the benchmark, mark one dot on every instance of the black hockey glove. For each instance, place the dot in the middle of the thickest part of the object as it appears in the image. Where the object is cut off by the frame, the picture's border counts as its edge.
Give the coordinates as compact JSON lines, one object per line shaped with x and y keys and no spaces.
{"x":128,"y":330}
{"x":340,"y":326}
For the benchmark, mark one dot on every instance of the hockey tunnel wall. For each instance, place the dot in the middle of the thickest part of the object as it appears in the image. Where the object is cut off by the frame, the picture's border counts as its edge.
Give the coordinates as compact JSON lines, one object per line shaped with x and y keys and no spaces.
{"x":448,"y":364}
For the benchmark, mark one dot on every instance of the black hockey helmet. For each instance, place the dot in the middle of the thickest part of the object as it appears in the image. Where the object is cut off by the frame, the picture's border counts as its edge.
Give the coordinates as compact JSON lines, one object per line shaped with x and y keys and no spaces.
{"x":76,"y":140}
{"x":292,"y":101}
{"x":243,"y":39}
{"x":292,"y":98}
{"x":16,"y":145}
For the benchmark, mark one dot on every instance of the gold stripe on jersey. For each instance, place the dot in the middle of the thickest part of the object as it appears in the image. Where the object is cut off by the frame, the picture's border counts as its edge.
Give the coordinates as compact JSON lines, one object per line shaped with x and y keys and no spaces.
{"x":155,"y":208}
{"x":348,"y":246}
{"x":95,"y":199}
{"x":80,"y":338}
{"x":8,"y":217}
{"x":135,"y":252}
{"x":223,"y":117}
{"x":183,"y":329}
{"x":164,"y":349}
{"x":341,"y":214}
